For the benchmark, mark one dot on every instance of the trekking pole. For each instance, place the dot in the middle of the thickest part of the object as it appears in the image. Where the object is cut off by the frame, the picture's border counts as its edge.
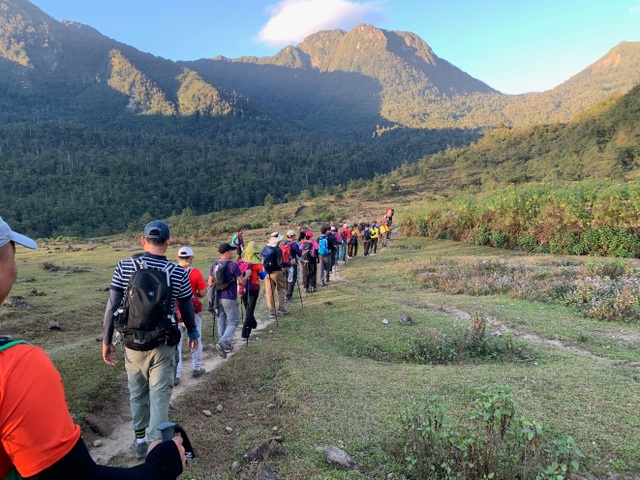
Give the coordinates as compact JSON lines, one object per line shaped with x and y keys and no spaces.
{"x":248,"y":307}
{"x":299,"y":292}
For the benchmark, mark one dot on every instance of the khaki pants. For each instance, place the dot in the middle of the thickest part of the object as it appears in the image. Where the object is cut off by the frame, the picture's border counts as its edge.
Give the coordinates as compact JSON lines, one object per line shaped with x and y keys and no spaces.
{"x":275,"y":280}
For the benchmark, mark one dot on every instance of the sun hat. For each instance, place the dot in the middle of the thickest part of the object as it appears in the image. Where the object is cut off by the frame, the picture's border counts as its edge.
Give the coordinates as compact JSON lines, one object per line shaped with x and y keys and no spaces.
{"x":274,"y":238}
{"x":7,"y":235}
{"x":251,"y":254}
{"x":185,"y":252}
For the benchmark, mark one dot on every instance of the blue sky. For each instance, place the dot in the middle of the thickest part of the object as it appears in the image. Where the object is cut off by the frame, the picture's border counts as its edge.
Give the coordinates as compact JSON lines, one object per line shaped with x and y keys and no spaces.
{"x":514,"y":46}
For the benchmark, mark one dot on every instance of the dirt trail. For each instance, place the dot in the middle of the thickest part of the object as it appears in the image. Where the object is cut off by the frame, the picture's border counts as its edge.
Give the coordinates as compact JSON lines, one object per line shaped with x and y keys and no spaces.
{"x":121,"y":438}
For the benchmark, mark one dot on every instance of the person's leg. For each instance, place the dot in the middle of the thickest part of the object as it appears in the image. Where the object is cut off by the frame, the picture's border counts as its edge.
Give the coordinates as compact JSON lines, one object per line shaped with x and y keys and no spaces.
{"x":196,"y":357}
{"x":136,"y":365}
{"x":270,"y":284}
{"x":183,"y":333}
{"x":305,"y":276}
{"x":161,"y":364}
{"x":313,"y":273}
{"x":233,"y":318}
{"x":221,"y":321}
{"x":355,"y":249}
{"x":251,"y":308}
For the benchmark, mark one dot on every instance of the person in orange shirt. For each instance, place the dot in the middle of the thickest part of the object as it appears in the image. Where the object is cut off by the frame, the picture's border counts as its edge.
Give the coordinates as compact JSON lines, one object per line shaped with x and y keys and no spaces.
{"x":38,"y":438}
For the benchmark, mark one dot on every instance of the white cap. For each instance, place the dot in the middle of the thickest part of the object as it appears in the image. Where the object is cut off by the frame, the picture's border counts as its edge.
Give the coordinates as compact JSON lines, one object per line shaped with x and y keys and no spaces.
{"x":7,"y":235}
{"x":185,"y":252}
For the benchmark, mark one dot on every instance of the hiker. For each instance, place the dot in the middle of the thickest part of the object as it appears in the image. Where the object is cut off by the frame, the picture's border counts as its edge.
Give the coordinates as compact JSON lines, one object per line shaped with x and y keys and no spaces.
{"x":335,"y":239}
{"x":345,"y":237}
{"x":389,"y":216}
{"x":237,"y":242}
{"x":325,"y":253}
{"x":38,"y":437}
{"x":366,"y":238}
{"x":199,"y":290}
{"x":384,"y":230}
{"x":225,"y":275}
{"x":309,"y":261}
{"x":353,"y":242}
{"x":375,"y":233}
{"x":149,"y":338}
{"x":271,"y":256}
{"x":291,"y":253}
{"x":250,"y":298}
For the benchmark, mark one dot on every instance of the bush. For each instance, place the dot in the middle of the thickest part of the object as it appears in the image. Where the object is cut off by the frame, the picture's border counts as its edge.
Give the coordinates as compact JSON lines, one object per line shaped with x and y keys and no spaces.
{"x":495,"y":442}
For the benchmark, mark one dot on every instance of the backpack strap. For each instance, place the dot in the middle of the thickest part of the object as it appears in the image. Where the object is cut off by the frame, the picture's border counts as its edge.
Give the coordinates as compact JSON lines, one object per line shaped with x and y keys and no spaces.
{"x":7,"y":342}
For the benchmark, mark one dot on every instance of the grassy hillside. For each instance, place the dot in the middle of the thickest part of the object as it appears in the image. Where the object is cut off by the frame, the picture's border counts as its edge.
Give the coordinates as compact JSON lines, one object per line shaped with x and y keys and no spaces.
{"x":334,"y":374}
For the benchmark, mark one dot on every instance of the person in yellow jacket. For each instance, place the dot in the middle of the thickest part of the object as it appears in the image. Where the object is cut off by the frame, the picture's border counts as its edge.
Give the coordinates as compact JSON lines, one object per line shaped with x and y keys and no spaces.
{"x":384,"y":231}
{"x":375,"y":234}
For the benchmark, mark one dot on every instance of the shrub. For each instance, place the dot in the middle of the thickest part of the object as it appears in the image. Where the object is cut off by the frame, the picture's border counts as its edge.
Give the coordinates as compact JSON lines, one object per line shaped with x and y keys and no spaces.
{"x":494,"y":443}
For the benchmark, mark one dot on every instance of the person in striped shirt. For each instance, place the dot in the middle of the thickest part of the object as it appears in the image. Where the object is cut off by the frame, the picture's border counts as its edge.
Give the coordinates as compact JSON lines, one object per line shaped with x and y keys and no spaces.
{"x":150,"y":372}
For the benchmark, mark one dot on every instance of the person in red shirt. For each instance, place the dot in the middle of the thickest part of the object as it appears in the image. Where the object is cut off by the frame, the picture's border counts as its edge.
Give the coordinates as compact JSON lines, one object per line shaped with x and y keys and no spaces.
{"x":38,"y":438}
{"x":199,"y":290}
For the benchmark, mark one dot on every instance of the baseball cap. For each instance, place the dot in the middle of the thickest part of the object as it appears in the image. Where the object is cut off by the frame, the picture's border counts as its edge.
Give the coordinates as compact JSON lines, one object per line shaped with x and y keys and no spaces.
{"x":7,"y":235}
{"x":185,"y":252}
{"x":291,"y":233}
{"x":225,"y":247}
{"x":309,"y":234}
{"x":334,"y":229}
{"x":157,"y":229}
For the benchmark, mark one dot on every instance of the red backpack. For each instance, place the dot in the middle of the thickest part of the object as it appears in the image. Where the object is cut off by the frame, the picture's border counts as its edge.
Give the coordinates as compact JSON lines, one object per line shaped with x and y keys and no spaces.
{"x":286,"y":252}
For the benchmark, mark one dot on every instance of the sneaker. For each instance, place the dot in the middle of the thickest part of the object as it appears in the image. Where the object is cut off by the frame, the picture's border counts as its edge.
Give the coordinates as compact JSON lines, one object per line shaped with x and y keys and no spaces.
{"x":198,"y":373}
{"x":221,"y":350}
{"x":323,"y":284}
{"x":306,"y":290}
{"x":229,"y":350}
{"x":272,"y":315}
{"x":172,"y":408}
{"x":282,"y":311}
{"x":176,"y":382}
{"x":288,"y":299}
{"x":140,"y":447}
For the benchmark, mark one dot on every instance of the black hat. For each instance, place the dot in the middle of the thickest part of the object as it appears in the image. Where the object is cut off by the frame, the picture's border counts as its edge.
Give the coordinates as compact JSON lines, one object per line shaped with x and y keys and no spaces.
{"x":225,"y":247}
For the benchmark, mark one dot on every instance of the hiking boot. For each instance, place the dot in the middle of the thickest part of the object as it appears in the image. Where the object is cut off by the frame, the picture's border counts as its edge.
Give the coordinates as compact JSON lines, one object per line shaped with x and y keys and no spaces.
{"x":254,"y":324}
{"x":221,"y":350}
{"x":176,"y":382}
{"x":172,"y":408}
{"x":282,"y":311}
{"x":140,"y":447}
{"x":198,"y":373}
{"x":272,"y":315}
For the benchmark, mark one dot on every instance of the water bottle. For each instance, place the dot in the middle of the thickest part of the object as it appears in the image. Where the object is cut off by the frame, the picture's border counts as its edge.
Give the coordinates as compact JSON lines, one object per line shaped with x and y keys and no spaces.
{"x":290,"y":277}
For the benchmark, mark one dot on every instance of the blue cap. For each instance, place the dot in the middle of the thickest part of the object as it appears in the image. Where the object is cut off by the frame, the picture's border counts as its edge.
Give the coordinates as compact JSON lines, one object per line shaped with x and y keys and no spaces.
{"x":157,"y":230}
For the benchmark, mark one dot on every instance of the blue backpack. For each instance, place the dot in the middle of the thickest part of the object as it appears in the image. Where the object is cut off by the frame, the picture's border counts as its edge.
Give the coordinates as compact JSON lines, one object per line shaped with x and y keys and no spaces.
{"x":323,"y":248}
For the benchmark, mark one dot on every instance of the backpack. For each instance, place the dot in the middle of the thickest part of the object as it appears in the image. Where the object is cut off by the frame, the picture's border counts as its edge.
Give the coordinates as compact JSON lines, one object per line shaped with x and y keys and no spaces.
{"x":366,"y":234}
{"x":286,"y":252}
{"x":234,"y":240}
{"x":307,"y":251}
{"x":145,"y":315}
{"x":220,"y":275}
{"x":323,"y":248}
{"x":269,"y":256}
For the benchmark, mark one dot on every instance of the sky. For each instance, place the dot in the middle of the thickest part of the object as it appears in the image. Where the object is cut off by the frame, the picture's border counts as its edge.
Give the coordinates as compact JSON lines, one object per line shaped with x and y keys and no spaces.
{"x":514,"y":46}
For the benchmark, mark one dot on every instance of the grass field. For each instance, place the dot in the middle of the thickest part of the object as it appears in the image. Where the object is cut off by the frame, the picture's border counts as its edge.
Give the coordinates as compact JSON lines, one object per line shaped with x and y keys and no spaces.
{"x":334,"y":374}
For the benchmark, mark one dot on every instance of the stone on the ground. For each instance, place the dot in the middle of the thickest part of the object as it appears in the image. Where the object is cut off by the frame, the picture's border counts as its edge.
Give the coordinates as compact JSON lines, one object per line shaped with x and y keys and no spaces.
{"x":260,"y":452}
{"x":406,"y":319}
{"x":267,"y":475}
{"x":207,"y":413}
{"x":340,"y":459}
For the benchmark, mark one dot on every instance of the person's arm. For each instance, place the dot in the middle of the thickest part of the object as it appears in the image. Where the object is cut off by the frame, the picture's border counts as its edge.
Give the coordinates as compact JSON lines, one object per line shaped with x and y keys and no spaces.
{"x":164,"y":462}
{"x":108,"y":349}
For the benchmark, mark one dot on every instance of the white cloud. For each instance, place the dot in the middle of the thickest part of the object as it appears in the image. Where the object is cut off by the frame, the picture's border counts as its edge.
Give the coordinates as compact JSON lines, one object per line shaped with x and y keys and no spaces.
{"x":293,"y":20}
{"x":634,"y":10}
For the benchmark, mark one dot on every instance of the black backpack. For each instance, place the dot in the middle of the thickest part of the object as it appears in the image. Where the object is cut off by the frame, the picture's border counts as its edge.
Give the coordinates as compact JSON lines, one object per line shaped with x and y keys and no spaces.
{"x":307,"y":251}
{"x":145,"y":316}
{"x":271,"y":258}
{"x":220,"y":275}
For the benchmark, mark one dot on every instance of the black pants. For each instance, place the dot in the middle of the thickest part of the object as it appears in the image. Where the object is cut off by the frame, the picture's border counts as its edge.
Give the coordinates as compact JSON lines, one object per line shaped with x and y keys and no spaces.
{"x":250,"y":322}
{"x":291,"y":285}
{"x":367,"y":244}
{"x":309,"y":274}
{"x":353,"y":249}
